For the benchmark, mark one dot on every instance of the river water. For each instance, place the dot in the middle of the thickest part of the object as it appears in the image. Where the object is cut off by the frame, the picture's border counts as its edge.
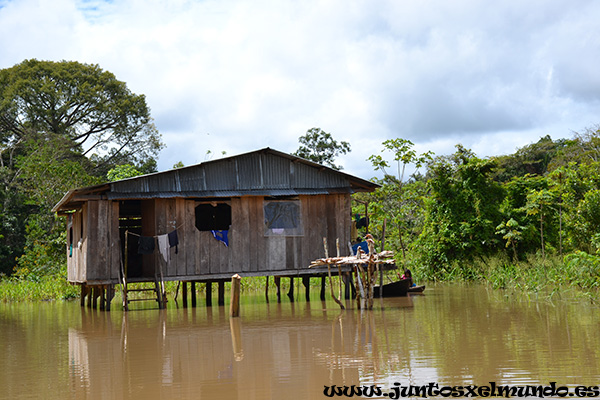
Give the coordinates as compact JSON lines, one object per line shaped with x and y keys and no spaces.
{"x":450,"y":336}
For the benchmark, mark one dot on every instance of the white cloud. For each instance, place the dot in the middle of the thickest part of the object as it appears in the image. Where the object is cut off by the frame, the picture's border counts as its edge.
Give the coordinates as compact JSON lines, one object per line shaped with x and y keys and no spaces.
{"x":236,"y":76}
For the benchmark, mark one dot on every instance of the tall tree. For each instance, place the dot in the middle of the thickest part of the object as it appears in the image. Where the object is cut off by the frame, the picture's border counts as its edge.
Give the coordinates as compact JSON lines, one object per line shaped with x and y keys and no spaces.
{"x":100,"y":116}
{"x":320,"y":147}
{"x":62,"y":125}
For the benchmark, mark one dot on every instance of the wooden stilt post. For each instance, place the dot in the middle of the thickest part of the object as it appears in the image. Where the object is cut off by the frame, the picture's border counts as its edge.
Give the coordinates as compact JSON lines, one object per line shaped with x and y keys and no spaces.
{"x":110,"y":294}
{"x":306,"y":283}
{"x":234,"y":306}
{"x":193,"y":290}
{"x":330,"y":279}
{"x":209,"y":294}
{"x":221,"y":293}
{"x":277,"y":280}
{"x":267,"y":288}
{"x":83,"y":293}
{"x":102,"y":290}
{"x":291,"y":291}
{"x":322,"y":288}
{"x":95,"y":295}
{"x":347,"y":281}
{"x":184,"y":293}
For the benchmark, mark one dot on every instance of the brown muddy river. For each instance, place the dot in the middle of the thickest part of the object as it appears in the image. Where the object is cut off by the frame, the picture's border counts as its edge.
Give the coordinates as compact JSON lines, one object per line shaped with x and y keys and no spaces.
{"x":450,"y":336}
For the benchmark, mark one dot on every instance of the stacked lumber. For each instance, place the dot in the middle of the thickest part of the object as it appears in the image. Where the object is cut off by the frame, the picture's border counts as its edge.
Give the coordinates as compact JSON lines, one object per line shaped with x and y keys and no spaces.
{"x":385,"y":257}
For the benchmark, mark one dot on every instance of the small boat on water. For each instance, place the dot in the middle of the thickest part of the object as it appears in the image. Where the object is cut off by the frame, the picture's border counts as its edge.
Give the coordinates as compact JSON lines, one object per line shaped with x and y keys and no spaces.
{"x":398,"y":289}
{"x":416,"y":289}
{"x":394,"y":289}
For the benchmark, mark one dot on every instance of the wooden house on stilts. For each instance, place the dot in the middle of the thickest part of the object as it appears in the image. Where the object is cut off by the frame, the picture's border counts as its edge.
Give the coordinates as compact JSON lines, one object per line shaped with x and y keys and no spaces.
{"x":263,"y":213}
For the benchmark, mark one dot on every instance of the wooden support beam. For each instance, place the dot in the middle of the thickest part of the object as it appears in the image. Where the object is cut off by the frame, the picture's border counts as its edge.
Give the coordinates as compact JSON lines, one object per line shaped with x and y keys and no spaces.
{"x":306,"y":283}
{"x":234,"y":306}
{"x":277,"y":280}
{"x":209,"y":294}
{"x":193,"y":290}
{"x":322,"y":288}
{"x":267,"y":289}
{"x":184,"y":293}
{"x":291,"y":291}
{"x":221,"y":293}
{"x":83,"y":294}
{"x":95,"y":294}
{"x":102,"y":290}
{"x":110,"y":294}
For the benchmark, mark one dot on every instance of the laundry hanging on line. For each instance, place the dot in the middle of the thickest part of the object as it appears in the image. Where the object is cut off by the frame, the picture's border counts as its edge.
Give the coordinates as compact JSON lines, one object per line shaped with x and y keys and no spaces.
{"x":221,"y":236}
{"x":147,"y":244}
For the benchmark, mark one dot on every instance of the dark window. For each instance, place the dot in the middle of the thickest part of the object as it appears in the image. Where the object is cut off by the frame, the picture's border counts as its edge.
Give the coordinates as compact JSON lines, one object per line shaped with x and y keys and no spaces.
{"x":213,"y":216}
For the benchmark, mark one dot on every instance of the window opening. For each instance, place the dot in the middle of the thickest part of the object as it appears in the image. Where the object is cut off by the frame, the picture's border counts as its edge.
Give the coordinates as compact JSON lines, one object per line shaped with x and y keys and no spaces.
{"x":213,"y":216}
{"x":283,"y":218}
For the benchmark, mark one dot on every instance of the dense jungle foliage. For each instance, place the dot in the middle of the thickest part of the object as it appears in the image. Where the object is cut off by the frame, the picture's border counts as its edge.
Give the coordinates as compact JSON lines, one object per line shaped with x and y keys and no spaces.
{"x":463,"y":217}
{"x":63,"y":125}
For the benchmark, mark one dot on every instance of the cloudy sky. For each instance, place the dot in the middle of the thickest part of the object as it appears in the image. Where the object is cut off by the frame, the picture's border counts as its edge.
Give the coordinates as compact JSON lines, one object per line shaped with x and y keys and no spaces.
{"x":235,"y":76}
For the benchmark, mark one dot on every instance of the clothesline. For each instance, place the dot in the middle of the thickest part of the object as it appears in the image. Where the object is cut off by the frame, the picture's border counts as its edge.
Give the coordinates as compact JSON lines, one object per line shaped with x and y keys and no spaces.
{"x":156,"y":236}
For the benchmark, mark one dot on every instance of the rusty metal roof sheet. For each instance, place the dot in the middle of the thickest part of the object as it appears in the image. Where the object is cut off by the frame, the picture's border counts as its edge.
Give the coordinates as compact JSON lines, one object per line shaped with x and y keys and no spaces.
{"x":264,"y":172}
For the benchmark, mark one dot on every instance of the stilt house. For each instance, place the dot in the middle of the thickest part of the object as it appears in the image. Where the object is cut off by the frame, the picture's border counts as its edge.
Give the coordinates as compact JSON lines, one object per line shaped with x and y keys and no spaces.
{"x":261,"y":213}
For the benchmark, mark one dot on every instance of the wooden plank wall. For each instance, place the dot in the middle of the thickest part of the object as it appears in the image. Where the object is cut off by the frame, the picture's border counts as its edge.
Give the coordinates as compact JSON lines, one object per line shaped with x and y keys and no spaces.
{"x":102,"y":243}
{"x":76,"y":261}
{"x":249,"y":250}
{"x":199,"y":254}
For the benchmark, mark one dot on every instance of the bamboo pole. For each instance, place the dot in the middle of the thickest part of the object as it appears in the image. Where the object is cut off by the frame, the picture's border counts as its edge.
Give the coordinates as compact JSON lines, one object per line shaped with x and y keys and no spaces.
{"x":337,"y":248}
{"x":330,"y":279}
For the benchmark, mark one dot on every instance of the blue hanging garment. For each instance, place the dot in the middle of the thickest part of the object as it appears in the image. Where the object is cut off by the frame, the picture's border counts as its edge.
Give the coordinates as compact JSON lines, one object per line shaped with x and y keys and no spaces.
{"x":221,"y":236}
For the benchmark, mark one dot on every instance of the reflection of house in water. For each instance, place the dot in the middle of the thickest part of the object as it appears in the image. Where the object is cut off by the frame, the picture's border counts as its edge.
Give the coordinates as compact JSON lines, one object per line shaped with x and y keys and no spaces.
{"x":183,"y":355}
{"x":262,"y":213}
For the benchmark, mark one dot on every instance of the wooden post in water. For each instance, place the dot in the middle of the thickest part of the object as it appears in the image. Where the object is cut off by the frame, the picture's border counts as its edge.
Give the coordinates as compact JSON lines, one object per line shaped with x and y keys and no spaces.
{"x":306,"y":283}
{"x":267,"y":288}
{"x":234,"y":307}
{"x":184,"y":293}
{"x":290,"y":293}
{"x":277,"y":280}
{"x":193,"y":290}
{"x":221,"y":293}
{"x":330,"y":279}
{"x":209,"y":294}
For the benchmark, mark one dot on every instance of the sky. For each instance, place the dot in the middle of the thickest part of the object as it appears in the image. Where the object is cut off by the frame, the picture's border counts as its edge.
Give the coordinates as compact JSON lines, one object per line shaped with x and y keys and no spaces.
{"x":235,"y":76}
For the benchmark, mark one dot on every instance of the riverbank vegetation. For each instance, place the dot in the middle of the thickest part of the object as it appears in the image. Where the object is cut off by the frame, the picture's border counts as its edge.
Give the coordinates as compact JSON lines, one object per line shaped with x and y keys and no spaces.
{"x":528,"y":220}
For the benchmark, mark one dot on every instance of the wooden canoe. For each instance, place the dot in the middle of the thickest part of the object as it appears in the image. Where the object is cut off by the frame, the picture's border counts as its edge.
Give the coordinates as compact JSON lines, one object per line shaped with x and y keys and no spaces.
{"x":394,"y":289}
{"x":416,"y":289}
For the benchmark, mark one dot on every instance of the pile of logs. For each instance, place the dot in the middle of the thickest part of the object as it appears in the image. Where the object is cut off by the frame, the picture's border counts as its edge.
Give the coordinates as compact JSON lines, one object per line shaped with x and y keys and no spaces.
{"x":366,"y":267}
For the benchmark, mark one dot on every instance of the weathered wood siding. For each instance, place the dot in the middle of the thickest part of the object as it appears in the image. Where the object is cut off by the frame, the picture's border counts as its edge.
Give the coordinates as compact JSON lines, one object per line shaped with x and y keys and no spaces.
{"x":199,"y":256}
{"x":96,"y":253}
{"x":250,"y":251}
{"x":76,"y":256}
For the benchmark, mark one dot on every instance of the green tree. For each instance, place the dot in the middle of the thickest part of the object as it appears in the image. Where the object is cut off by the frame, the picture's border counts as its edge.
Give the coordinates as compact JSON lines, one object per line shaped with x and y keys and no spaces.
{"x":320,"y":147}
{"x":462,"y":209}
{"x":122,"y":172}
{"x":399,"y":209}
{"x":62,"y":125}
{"x":102,"y":119}
{"x":540,"y":202}
{"x":512,"y":232}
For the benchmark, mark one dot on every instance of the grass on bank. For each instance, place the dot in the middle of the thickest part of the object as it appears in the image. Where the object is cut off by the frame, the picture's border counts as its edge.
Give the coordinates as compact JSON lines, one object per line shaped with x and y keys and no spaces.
{"x":575,"y":275}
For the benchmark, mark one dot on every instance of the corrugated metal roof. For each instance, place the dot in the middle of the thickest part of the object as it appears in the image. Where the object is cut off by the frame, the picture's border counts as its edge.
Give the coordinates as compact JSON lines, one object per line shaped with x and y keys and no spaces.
{"x":264,"y":172}
{"x":219,"y":193}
